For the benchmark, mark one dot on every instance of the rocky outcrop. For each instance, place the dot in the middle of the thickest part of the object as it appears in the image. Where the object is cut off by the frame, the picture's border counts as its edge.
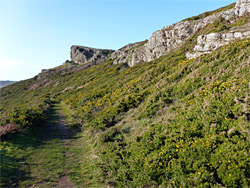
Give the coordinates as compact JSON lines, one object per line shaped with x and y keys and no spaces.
{"x":164,"y":40}
{"x":171,"y":37}
{"x":242,"y":6}
{"x":127,"y":53}
{"x":82,"y":54}
{"x":209,"y":43}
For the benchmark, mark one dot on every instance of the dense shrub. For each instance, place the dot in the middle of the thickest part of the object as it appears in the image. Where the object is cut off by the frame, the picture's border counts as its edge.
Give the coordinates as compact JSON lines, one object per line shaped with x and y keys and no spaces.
{"x":23,"y":118}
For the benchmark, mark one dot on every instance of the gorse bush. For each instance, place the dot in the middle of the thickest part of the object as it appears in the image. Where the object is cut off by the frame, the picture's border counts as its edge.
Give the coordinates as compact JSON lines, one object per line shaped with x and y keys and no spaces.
{"x":199,"y":147}
{"x":24,"y":118}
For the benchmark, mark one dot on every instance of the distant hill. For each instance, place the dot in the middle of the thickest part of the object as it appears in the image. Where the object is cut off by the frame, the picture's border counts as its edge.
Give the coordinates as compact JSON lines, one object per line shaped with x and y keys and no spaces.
{"x":4,"y":83}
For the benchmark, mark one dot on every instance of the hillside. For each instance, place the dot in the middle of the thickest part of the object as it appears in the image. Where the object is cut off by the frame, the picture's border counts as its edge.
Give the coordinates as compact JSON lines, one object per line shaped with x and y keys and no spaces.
{"x":171,"y":111}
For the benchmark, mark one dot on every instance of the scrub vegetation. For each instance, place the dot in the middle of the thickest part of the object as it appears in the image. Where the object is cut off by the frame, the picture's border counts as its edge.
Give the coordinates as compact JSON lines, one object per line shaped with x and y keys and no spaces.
{"x":172,"y":122}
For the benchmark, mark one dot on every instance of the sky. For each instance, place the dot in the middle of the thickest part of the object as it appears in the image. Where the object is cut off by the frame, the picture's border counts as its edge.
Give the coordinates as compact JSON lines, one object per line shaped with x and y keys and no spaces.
{"x":38,"y":34}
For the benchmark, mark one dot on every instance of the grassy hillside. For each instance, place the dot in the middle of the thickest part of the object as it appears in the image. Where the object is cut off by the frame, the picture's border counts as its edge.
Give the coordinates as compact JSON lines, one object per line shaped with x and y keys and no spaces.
{"x":170,"y":122}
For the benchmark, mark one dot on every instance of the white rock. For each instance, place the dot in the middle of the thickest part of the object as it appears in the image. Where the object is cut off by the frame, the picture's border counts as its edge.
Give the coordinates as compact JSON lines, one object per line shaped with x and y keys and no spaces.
{"x":238,"y":35}
{"x":242,"y":6}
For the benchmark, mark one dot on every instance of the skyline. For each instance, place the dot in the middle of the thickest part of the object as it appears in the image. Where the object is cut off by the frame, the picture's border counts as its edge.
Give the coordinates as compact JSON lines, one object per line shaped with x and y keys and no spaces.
{"x":38,"y":35}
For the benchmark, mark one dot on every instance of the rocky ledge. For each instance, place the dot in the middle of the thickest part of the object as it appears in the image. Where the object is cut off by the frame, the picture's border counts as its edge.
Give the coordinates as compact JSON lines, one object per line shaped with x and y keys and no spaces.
{"x":209,"y":43}
{"x":163,"y":41}
{"x":242,"y":6}
{"x":167,"y":39}
{"x":171,"y":37}
{"x":82,"y":54}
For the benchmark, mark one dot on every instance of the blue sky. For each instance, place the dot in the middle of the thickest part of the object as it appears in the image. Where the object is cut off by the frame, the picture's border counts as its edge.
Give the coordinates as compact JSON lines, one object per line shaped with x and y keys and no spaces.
{"x":37,"y":34}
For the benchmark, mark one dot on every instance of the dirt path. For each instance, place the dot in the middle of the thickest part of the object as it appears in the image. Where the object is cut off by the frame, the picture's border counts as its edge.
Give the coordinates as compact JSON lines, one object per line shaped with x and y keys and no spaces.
{"x":54,"y":132}
{"x":64,"y":181}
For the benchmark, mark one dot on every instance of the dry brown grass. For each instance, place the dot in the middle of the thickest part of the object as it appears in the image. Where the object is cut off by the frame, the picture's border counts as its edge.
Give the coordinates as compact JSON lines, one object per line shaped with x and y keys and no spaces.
{"x":8,"y":129}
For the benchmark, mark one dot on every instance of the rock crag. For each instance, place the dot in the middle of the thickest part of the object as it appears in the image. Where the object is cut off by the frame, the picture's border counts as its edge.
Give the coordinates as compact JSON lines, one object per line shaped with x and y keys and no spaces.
{"x":168,"y":39}
{"x":171,"y":37}
{"x":164,"y":40}
{"x":82,"y":54}
{"x":242,"y":6}
{"x":209,"y":43}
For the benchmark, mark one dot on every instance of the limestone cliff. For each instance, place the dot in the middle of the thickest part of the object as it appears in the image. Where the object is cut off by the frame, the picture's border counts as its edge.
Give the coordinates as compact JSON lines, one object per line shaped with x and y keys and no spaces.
{"x":209,"y":43}
{"x":170,"y":38}
{"x":82,"y":54}
{"x":173,"y":36}
{"x":242,"y":6}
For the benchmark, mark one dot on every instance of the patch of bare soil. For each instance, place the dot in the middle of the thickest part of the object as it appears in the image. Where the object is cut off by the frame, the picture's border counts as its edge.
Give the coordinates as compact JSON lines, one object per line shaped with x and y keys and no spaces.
{"x":65,"y":183}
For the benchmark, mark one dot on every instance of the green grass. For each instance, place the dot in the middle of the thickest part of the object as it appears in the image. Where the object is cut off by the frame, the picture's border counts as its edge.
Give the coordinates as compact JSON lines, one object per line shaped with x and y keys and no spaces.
{"x":34,"y":156}
{"x":82,"y":154}
{"x":204,"y":15}
{"x":241,"y":21}
{"x":137,"y":125}
{"x":171,"y":122}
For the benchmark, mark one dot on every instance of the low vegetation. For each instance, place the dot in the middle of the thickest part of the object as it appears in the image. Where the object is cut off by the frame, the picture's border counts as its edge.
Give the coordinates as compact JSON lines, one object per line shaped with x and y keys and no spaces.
{"x":205,"y":14}
{"x":36,"y":156}
{"x":172,"y":122}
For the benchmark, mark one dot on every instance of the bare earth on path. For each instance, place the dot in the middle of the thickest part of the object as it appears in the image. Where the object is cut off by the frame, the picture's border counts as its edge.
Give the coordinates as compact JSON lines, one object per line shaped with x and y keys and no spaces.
{"x":64,"y":181}
{"x":59,"y":131}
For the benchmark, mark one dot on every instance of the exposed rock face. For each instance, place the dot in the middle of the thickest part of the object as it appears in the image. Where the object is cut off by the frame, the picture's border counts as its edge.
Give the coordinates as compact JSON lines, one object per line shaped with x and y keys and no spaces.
{"x":126,"y":54}
{"x":242,"y":6}
{"x":209,"y":43}
{"x":164,"y":40}
{"x":173,"y":36}
{"x":82,"y":54}
{"x":167,"y":39}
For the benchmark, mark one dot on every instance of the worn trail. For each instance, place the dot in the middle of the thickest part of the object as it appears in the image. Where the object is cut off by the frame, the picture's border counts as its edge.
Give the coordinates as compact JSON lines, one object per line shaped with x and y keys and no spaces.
{"x":49,"y":163}
{"x":64,"y":180}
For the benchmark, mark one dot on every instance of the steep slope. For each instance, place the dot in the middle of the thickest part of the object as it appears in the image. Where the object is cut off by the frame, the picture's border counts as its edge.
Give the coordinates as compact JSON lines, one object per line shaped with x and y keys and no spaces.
{"x":170,"y":122}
